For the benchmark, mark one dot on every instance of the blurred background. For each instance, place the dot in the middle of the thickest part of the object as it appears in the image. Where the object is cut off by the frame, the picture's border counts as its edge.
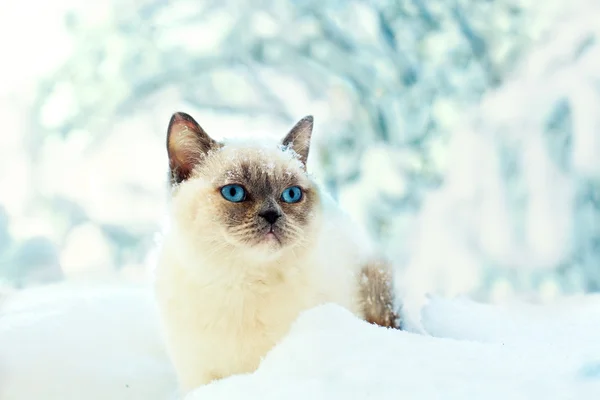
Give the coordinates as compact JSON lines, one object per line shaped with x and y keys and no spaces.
{"x":463,"y":134}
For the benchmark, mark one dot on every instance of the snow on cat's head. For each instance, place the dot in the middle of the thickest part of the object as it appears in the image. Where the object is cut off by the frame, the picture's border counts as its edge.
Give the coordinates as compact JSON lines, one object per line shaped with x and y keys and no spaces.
{"x":250,"y":200}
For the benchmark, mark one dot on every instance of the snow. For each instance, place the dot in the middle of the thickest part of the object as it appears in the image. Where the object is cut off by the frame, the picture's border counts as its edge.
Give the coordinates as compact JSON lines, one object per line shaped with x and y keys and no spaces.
{"x":100,"y":343}
{"x":330,"y":354}
{"x":76,"y":342}
{"x":563,"y":334}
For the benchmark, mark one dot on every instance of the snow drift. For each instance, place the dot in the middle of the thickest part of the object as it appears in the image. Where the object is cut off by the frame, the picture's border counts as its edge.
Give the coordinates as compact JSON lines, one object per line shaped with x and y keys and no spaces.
{"x":104,"y":343}
{"x":82,"y":343}
{"x":330,"y":354}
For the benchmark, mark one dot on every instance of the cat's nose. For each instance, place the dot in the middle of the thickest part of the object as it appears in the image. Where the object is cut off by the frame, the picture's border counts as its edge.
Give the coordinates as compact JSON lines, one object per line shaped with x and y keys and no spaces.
{"x":270,"y":216}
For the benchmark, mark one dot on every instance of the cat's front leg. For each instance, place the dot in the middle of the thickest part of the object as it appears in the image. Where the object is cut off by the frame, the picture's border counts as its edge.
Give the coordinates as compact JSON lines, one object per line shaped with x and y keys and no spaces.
{"x":376,"y":293}
{"x":197,"y":368}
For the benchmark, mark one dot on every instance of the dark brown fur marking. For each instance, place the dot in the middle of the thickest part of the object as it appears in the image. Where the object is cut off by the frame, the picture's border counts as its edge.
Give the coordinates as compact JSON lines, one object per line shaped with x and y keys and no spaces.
{"x":377,"y":294}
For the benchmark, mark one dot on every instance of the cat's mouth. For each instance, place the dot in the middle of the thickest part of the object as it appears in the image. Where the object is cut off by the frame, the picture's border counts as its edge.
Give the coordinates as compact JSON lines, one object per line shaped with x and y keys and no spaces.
{"x":272,"y":236}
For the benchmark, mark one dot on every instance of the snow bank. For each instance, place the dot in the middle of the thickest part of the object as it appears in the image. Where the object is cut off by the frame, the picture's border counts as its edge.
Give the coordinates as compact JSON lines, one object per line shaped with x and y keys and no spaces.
{"x":567,"y":329}
{"x":330,"y":354}
{"x":561,"y":321}
{"x":86,"y":343}
{"x":103,"y":343}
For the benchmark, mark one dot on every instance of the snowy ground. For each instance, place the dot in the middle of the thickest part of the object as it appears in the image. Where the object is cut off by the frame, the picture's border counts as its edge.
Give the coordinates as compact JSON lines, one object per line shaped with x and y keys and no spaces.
{"x":104,"y":343}
{"x":526,"y":355}
{"x":64,"y":343}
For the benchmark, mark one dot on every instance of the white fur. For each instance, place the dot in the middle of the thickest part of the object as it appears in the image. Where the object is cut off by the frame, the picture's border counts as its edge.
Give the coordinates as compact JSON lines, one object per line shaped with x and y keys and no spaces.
{"x":222,"y":314}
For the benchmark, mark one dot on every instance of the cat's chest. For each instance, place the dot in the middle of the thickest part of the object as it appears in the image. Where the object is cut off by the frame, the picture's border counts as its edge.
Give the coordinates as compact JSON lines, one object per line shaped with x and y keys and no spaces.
{"x":239,"y":305}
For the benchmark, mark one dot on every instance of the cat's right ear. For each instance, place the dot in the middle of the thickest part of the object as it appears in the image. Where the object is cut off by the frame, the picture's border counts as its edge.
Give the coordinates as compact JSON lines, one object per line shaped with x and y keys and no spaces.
{"x":187,"y":145}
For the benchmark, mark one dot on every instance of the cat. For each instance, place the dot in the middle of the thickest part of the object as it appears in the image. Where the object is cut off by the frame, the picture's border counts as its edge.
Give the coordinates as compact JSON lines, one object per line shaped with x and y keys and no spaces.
{"x":253,"y":242}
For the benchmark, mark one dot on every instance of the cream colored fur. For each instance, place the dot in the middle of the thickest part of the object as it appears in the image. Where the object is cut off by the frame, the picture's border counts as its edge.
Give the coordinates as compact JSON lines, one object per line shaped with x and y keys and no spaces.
{"x":224,"y":307}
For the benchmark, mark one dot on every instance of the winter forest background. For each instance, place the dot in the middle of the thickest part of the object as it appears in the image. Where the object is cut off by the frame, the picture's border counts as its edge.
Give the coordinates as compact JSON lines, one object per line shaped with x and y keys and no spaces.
{"x":464,"y":134}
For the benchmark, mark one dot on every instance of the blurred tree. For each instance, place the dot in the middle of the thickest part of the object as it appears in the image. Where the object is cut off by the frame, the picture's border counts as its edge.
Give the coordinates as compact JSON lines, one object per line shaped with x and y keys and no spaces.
{"x":389,"y":80}
{"x":33,"y":261}
{"x":391,"y":72}
{"x":520,"y":200}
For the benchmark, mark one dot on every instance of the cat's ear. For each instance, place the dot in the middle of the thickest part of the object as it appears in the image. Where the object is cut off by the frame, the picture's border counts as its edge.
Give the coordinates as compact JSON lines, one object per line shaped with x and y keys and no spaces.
{"x":298,"y":138}
{"x":187,"y":145}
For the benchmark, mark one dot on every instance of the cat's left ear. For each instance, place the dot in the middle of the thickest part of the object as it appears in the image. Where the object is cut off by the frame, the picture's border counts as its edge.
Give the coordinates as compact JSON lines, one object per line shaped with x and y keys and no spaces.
{"x":298,"y":138}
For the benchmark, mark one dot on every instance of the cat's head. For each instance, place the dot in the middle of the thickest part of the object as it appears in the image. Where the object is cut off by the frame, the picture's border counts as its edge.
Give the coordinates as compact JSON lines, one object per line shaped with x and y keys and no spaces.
{"x":240,"y":197}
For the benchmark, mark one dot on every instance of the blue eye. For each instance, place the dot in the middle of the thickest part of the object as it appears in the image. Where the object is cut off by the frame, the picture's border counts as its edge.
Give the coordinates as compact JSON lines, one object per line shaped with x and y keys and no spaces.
{"x":233,"y":193}
{"x":293,"y":194}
